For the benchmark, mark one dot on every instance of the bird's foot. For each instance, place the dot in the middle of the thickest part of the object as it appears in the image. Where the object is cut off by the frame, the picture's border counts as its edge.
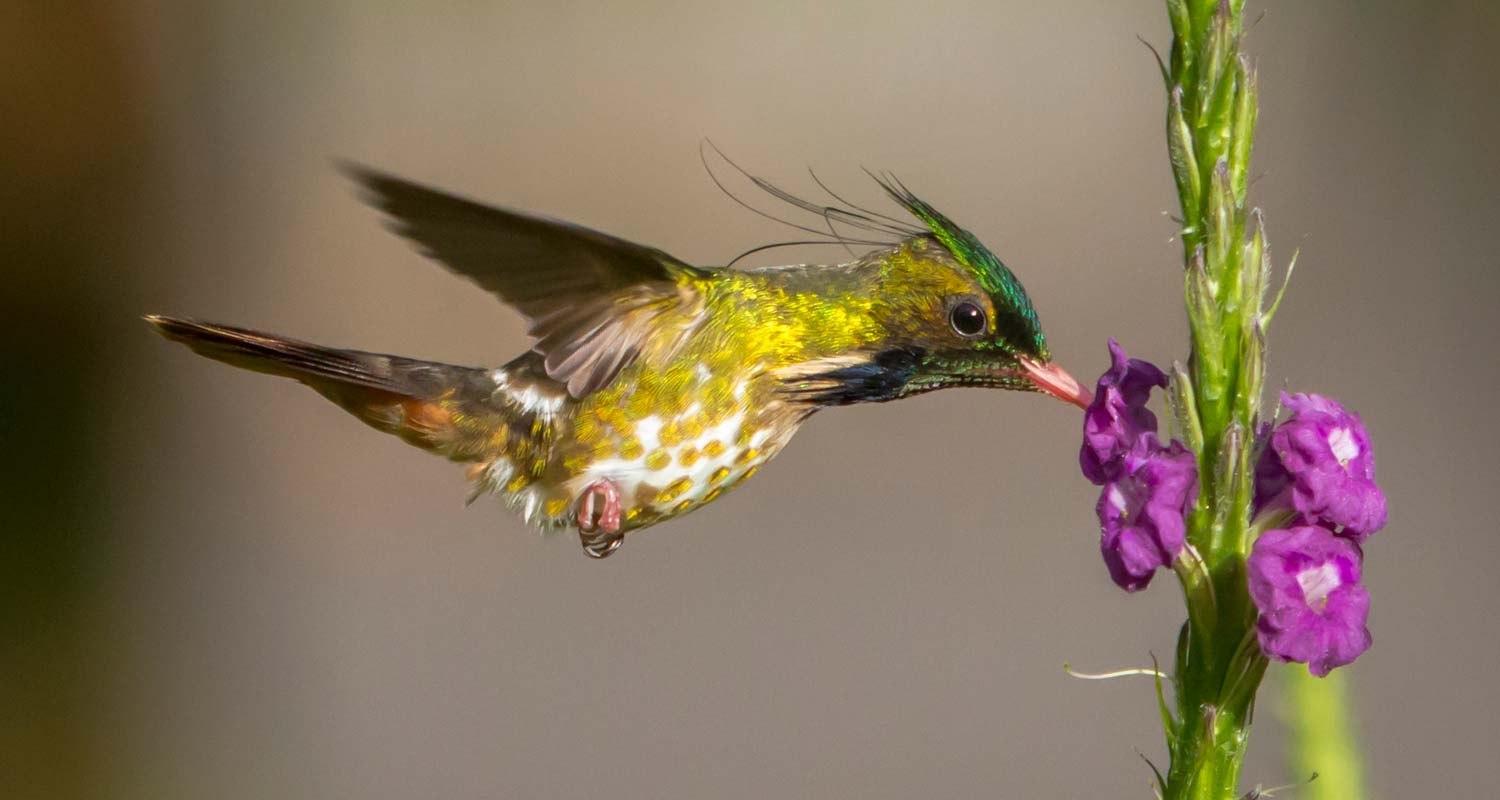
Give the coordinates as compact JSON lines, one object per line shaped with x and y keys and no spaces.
{"x":599,"y":519}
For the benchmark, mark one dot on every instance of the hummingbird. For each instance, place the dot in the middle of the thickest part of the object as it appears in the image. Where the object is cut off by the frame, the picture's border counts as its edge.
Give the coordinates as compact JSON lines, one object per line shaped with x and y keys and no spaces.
{"x":653,"y":386}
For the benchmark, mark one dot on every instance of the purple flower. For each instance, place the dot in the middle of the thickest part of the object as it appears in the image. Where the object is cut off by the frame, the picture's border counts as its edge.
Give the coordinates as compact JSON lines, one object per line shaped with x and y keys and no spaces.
{"x":1319,"y":463}
{"x":1141,"y":511}
{"x":1117,"y":417}
{"x":1305,"y":581}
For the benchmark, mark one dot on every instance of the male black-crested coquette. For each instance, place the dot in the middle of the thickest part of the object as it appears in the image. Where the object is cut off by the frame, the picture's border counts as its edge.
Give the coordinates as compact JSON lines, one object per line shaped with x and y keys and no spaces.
{"x":654,"y":386}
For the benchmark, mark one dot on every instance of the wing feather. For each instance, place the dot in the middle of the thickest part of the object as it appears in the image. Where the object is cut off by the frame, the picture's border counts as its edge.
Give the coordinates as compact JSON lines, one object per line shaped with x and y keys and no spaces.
{"x":589,"y":297}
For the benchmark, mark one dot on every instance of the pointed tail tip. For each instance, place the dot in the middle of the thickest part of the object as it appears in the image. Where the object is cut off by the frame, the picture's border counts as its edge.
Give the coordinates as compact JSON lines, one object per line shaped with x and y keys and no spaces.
{"x":1054,"y":380}
{"x":169,"y":327}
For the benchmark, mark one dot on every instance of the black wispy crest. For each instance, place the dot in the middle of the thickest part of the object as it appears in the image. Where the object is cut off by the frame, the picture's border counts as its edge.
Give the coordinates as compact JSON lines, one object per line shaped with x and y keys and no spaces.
{"x":901,"y":224}
{"x":883,"y":230}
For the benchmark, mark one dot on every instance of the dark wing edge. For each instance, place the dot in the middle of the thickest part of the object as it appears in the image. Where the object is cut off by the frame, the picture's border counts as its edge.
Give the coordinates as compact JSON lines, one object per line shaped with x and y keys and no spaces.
{"x":589,"y":297}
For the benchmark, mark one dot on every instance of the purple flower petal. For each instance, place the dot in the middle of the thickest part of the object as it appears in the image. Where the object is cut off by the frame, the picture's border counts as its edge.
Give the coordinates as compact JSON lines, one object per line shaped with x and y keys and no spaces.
{"x":1305,"y":582}
{"x":1117,"y":417}
{"x":1141,"y":512}
{"x":1319,"y":462}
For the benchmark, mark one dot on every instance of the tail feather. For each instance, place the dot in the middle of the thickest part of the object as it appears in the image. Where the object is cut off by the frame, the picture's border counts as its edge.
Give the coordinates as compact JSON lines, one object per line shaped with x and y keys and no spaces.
{"x":447,"y":409}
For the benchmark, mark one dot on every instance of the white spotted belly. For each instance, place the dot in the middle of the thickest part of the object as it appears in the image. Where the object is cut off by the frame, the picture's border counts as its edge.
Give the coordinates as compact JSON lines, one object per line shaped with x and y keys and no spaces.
{"x":668,"y":479}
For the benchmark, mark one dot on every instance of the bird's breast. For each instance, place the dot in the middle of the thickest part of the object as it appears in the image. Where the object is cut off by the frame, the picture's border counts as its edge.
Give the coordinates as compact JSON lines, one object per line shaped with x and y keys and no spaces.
{"x":672,"y":446}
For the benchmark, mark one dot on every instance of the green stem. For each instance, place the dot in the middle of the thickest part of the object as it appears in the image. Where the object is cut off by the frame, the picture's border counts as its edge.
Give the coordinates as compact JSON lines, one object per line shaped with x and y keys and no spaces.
{"x":1211,"y":113}
{"x":1322,"y":736}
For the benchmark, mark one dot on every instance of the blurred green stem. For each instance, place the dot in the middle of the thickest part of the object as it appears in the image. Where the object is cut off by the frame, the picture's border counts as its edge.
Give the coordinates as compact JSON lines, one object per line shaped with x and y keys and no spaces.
{"x":1322,"y":736}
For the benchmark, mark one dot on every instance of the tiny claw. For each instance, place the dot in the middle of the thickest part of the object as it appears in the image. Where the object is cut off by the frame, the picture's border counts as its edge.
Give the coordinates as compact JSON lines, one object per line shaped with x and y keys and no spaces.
{"x":599,"y":519}
{"x":602,"y":549}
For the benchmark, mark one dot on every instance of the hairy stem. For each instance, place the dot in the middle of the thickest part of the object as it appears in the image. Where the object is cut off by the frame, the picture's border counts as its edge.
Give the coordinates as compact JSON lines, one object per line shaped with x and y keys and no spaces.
{"x":1211,"y":110}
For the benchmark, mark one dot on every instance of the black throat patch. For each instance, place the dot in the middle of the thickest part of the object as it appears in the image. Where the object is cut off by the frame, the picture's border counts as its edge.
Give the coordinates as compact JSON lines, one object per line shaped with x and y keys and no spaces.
{"x":883,"y":377}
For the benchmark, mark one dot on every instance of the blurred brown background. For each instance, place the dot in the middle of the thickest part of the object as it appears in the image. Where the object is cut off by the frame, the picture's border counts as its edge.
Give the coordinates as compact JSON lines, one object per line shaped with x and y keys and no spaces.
{"x":218,"y":585}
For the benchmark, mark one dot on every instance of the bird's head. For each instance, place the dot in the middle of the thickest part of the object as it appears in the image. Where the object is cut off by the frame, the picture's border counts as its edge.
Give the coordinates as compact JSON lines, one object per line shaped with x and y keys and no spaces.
{"x":950,"y":313}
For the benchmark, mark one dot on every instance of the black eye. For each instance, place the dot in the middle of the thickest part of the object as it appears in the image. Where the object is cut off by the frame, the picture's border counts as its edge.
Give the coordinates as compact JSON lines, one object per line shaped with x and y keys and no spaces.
{"x":967,"y":318}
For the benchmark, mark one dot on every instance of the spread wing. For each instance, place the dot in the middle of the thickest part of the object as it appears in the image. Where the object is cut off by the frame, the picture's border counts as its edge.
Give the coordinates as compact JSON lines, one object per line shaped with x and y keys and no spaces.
{"x":591,"y":298}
